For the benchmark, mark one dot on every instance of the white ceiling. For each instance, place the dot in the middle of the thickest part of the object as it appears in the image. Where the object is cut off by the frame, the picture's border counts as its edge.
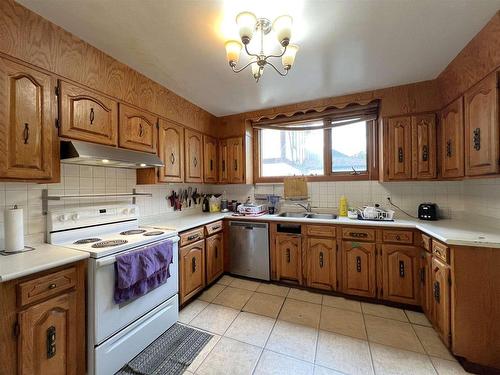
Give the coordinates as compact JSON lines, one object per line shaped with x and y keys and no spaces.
{"x":346,"y":46}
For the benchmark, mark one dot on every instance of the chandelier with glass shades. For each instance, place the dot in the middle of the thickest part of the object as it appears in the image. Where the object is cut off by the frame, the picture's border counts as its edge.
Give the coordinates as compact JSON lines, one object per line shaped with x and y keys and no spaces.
{"x":248,"y":25}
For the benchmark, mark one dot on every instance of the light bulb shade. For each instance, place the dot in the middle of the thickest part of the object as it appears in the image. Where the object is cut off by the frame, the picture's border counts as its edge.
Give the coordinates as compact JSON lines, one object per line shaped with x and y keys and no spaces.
{"x":282,"y":26}
{"x":246,"y":22}
{"x":256,"y":70}
{"x":233,"y":49}
{"x":289,"y":57}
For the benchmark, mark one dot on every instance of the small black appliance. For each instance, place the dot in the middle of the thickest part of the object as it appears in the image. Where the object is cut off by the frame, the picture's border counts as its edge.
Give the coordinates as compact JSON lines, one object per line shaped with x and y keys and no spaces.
{"x":428,"y":211}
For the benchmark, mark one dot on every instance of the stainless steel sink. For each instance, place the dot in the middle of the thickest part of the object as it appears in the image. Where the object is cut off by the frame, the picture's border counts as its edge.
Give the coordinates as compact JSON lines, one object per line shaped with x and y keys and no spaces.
{"x":293,"y":214}
{"x":321,"y":216}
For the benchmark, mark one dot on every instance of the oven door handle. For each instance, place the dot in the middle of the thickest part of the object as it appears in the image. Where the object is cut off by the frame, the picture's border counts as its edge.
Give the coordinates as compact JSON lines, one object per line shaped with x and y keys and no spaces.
{"x":112,"y":258}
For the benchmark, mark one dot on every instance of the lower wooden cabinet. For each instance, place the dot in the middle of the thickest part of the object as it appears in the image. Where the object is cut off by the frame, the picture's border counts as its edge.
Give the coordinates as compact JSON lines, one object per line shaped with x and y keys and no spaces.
{"x":321,"y":263}
{"x":288,"y":255}
{"x":440,"y":278}
{"x":192,"y":269}
{"x":214,"y":256}
{"x":400,"y":267}
{"x":426,"y":282}
{"x":358,"y":268}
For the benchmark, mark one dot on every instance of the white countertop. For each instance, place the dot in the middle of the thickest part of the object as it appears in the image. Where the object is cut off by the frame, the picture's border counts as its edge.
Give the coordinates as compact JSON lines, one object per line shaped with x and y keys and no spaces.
{"x":183,"y":223}
{"x":44,"y":257}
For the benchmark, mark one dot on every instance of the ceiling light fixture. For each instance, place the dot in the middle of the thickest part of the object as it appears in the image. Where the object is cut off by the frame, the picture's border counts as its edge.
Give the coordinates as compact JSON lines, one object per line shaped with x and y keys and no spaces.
{"x":248,"y":23}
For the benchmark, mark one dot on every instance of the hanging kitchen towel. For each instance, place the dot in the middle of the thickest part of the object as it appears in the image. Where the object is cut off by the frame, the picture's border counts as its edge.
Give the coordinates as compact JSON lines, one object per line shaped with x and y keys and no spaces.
{"x":138,"y":272}
{"x":295,"y":187}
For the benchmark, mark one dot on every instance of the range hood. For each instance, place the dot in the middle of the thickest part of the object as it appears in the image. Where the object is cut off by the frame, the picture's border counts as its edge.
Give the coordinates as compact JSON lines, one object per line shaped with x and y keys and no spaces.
{"x":85,"y":153}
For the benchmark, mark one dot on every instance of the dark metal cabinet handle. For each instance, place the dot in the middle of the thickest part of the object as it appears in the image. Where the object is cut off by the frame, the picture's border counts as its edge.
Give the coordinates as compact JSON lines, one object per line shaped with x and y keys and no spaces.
{"x":216,"y":252}
{"x":52,"y":286}
{"x":476,"y":139}
{"x":288,"y":255}
{"x":51,"y":342}
{"x":425,"y":153}
{"x":26,"y":133}
{"x":193,"y":237}
{"x":193,"y":264}
{"x":358,"y":264}
{"x":236,"y":165}
{"x":437,"y":291}
{"x":141,"y":130}
{"x":195,"y":161}
{"x":223,"y":165}
{"x":422,"y":276}
{"x":401,"y":268}
{"x":448,"y":148}
{"x":358,"y":234}
{"x":172,"y":158}
{"x":398,"y":237}
{"x":91,"y":116}
{"x":211,"y":165}
{"x":400,"y":154}
{"x":321,"y":259}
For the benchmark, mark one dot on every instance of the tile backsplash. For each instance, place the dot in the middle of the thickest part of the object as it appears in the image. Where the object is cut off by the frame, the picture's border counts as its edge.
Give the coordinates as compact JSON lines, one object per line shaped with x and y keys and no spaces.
{"x":455,"y":198}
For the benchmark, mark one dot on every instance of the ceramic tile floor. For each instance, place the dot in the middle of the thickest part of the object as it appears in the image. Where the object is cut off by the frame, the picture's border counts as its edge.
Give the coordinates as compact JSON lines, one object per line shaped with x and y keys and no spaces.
{"x":262,"y":328}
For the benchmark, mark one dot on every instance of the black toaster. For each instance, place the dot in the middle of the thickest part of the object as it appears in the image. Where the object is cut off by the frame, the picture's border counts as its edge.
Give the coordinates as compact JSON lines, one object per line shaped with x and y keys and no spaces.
{"x":428,"y":211}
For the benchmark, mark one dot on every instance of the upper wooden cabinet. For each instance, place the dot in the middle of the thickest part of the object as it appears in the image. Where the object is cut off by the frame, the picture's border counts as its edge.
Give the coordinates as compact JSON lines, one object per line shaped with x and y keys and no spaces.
{"x":400,"y":267}
{"x":171,"y":151}
{"x":236,"y":160}
{"x":397,"y":140}
{"x":321,"y":263}
{"x":288,"y":256}
{"x":452,"y":140}
{"x":210,"y":159}
{"x":193,"y":146}
{"x":423,"y":129}
{"x":223,"y":159}
{"x":482,"y":134}
{"x":137,"y":129}
{"x":28,"y":136}
{"x":87,"y":115}
{"x":358,"y":268}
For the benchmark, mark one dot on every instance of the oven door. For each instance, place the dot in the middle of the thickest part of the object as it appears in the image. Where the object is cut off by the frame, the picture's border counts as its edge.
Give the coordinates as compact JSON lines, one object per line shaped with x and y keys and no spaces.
{"x":105,"y":317}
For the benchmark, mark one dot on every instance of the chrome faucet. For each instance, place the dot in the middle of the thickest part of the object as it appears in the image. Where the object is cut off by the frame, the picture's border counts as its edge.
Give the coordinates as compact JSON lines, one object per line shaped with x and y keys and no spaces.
{"x":305,"y":207}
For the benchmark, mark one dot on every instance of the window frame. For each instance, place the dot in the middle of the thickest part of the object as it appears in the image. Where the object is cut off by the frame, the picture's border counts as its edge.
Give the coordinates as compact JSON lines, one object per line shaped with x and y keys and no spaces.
{"x":328,"y":174}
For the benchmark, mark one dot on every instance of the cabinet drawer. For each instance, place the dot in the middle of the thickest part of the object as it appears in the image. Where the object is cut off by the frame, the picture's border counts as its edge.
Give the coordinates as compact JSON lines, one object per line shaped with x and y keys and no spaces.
{"x":441,"y":251}
{"x":191,"y":236}
{"x":46,"y":286}
{"x":426,"y":242}
{"x":360,"y":234}
{"x":398,"y":236}
{"x":214,"y":227}
{"x":321,"y":230}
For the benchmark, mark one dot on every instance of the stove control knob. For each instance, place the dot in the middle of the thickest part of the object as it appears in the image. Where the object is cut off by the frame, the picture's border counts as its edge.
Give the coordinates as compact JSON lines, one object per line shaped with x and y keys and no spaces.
{"x":125,"y":211}
{"x":132,"y":211}
{"x":61,"y":218}
{"x":75,"y":217}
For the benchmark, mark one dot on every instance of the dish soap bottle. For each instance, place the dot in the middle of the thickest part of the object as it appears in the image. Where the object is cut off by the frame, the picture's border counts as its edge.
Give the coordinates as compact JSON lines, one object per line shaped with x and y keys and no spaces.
{"x":343,"y":206}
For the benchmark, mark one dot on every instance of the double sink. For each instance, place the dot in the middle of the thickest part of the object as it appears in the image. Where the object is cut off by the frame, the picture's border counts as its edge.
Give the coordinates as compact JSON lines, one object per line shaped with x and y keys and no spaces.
{"x":308,"y":215}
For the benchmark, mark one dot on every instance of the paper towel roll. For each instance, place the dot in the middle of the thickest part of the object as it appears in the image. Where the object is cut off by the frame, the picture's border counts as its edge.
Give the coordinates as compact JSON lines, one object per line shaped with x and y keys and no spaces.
{"x":14,"y":231}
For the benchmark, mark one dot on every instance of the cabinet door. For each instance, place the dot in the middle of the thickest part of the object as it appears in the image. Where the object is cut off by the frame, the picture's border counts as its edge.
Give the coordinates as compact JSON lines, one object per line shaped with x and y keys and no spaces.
{"x":47,"y":341}
{"x":400,"y":267}
{"x":223,"y":161}
{"x":399,"y":148}
{"x":424,"y":151}
{"x":321,"y":263}
{"x":236,"y":165}
{"x":137,"y":129}
{"x":215,"y":257}
{"x":192,"y":261}
{"x":87,"y":115}
{"x":481,"y":128}
{"x":289,"y":257}
{"x":441,"y":299}
{"x":29,"y":148}
{"x":452,"y":140}
{"x":426,"y":283}
{"x":210,"y":159}
{"x":358,"y":268}
{"x":194,"y":156}
{"x":171,"y":151}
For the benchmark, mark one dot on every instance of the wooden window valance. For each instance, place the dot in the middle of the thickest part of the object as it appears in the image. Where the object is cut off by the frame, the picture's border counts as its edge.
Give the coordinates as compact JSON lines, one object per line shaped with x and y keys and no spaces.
{"x":329,"y":117}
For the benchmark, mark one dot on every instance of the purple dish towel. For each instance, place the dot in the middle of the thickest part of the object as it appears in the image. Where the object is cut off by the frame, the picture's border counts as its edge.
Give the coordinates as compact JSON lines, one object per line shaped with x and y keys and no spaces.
{"x":138,"y":272}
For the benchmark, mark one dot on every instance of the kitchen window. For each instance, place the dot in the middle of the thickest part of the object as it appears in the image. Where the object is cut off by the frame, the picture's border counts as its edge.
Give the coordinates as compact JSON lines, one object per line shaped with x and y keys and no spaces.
{"x":337,"y":145}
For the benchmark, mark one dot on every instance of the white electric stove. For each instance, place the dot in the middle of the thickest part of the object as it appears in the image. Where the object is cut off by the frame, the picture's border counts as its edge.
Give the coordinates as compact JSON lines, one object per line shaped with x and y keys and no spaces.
{"x":116,"y":332}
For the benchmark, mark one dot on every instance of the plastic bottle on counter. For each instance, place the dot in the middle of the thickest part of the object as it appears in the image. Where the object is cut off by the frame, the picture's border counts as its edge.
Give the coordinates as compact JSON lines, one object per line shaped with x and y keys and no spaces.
{"x":343,"y":206}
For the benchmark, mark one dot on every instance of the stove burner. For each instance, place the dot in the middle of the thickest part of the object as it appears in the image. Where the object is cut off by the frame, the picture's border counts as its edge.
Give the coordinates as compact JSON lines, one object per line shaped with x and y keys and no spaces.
{"x":109,"y":243}
{"x":86,"y":240}
{"x":153,"y":233}
{"x":132,"y":231}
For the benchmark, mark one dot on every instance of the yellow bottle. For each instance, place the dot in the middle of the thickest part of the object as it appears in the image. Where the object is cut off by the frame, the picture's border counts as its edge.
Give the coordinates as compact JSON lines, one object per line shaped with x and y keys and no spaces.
{"x":343,"y":206}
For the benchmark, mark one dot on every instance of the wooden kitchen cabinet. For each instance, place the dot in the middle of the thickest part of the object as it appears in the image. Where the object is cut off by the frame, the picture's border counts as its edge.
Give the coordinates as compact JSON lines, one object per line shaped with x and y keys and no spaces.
{"x":321,"y":256}
{"x":171,"y":151}
{"x":358,"y":268}
{"x":236,"y":165}
{"x":193,"y":148}
{"x":214,"y":256}
{"x":452,"y":140}
{"x":137,"y":129}
{"x":28,"y":136}
{"x":400,"y":270}
{"x":424,"y":163}
{"x":440,"y":278}
{"x":398,"y":151}
{"x":425,"y":276}
{"x":482,"y":142}
{"x":223,"y":161}
{"x":288,"y":248}
{"x":210,"y":159}
{"x":87,"y":115}
{"x":192,"y":269}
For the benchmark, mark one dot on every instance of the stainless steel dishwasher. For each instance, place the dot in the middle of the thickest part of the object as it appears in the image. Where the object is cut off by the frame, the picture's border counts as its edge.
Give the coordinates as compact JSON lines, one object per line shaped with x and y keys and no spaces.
{"x":249,"y":249}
